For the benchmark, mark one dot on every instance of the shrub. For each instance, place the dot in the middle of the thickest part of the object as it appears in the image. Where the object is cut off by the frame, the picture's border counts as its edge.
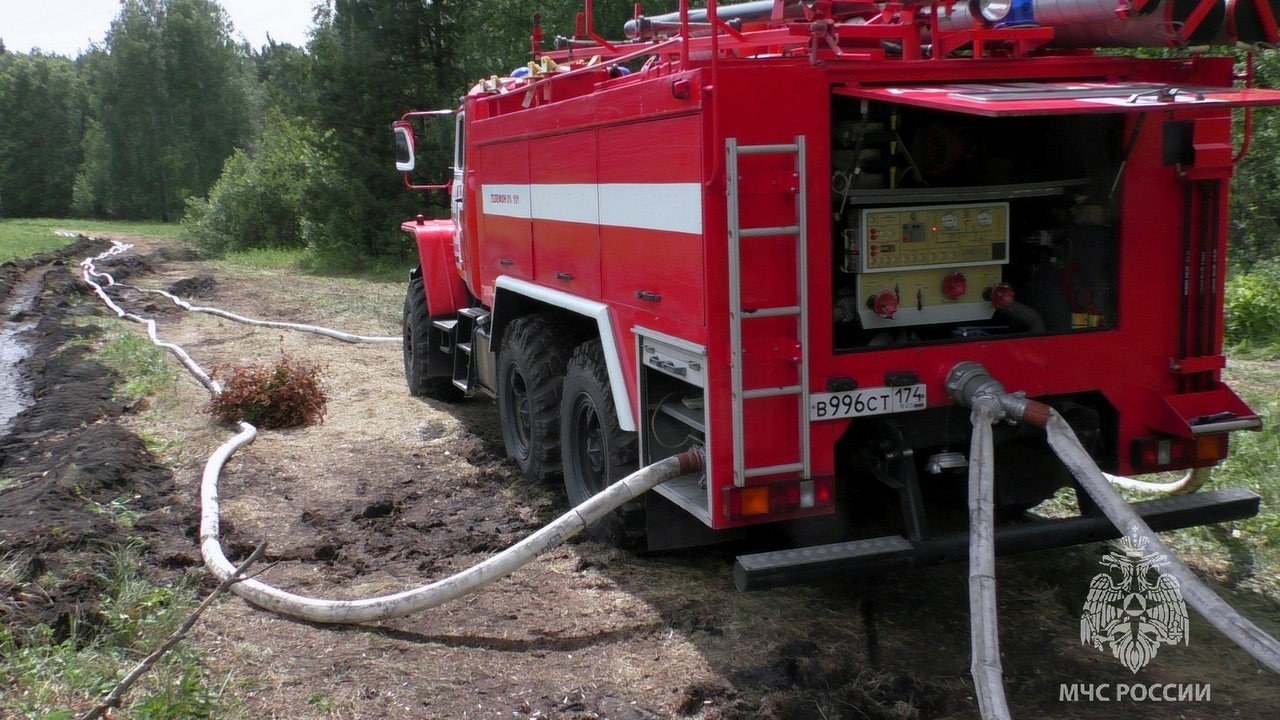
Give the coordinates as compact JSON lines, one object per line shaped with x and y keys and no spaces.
{"x":1253,"y":307}
{"x":265,"y":199}
{"x":287,"y":393}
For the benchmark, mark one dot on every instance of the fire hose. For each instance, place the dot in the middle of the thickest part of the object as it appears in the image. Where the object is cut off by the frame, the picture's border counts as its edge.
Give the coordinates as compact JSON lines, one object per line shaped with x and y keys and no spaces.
{"x":440,"y":591}
{"x":984,"y":629}
{"x":971,"y":385}
{"x":1189,"y":483}
{"x":387,"y":606}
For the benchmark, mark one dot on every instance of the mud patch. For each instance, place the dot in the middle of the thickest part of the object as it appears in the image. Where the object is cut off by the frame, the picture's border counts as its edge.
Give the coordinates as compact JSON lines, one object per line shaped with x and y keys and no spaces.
{"x":808,"y":681}
{"x":200,"y":286}
{"x":76,"y":484}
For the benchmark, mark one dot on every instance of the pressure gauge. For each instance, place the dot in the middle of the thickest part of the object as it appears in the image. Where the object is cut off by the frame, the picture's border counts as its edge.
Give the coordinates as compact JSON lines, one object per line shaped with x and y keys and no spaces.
{"x":984,"y":218}
{"x":949,"y":221}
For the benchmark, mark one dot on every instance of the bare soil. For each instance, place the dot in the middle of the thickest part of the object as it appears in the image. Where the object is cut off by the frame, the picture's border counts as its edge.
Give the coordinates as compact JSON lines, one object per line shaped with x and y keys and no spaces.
{"x":392,"y":492}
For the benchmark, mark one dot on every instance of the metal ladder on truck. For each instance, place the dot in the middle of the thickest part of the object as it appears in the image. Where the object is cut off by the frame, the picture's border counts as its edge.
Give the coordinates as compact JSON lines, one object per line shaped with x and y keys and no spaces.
{"x":742,"y":320}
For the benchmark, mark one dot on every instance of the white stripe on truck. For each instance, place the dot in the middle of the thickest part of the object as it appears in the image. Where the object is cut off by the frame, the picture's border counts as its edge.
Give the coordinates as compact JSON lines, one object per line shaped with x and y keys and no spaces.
{"x":669,"y":207}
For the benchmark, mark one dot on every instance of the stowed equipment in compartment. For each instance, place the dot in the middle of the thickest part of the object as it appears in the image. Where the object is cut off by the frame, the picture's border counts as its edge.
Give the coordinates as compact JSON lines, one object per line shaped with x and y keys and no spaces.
{"x":949,"y":227}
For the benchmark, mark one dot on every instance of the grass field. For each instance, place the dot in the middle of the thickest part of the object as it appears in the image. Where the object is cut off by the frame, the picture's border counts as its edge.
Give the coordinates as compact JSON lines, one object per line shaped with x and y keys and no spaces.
{"x":26,"y":237}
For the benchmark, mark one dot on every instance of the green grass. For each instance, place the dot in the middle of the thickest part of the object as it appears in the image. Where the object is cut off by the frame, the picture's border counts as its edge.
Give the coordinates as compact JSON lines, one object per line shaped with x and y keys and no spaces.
{"x":1244,"y":553}
{"x":273,"y":260}
{"x":1254,"y":463}
{"x":266,"y":260}
{"x":26,"y":237}
{"x":144,"y":368}
{"x":44,"y":678}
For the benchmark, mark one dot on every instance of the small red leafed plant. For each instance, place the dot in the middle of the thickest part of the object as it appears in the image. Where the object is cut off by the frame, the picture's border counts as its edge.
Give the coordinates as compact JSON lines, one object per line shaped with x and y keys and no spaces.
{"x":286,"y":393}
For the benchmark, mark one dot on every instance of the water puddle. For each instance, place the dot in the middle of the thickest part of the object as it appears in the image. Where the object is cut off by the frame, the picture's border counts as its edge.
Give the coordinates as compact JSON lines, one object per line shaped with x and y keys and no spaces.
{"x":15,"y":393}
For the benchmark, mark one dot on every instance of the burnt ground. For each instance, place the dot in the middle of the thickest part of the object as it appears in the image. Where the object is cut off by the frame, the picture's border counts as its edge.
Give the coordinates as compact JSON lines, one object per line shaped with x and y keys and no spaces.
{"x":65,"y":459}
{"x":391,"y":492}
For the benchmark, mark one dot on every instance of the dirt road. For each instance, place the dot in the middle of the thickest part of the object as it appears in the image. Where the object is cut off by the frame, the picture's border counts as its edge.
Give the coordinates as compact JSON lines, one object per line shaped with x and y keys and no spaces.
{"x":392,"y":491}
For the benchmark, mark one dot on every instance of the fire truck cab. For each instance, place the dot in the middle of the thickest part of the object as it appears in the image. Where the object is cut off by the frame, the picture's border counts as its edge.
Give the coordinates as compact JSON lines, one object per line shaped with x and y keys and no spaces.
{"x":771,"y":231}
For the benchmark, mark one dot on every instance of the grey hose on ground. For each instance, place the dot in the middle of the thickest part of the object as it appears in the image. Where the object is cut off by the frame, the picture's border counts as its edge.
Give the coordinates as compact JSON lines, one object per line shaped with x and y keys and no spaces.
{"x":1240,"y":629}
{"x":984,"y":623}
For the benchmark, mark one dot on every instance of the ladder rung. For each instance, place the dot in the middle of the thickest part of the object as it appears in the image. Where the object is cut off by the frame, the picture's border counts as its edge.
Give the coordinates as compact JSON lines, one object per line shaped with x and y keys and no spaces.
{"x":769,"y":231}
{"x":772,"y":469}
{"x":445,"y":325}
{"x":767,"y":149}
{"x":770,"y":392}
{"x":771,"y":312}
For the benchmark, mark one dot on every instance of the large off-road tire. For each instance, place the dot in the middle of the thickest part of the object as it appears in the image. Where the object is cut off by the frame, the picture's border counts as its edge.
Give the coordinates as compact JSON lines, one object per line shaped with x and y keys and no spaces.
{"x":596,"y":451}
{"x":416,"y":336}
{"x":531,"y":367}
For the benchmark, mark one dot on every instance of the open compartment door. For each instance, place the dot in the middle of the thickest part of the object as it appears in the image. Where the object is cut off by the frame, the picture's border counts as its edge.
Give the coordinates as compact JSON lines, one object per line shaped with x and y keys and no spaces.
{"x":1060,"y":98}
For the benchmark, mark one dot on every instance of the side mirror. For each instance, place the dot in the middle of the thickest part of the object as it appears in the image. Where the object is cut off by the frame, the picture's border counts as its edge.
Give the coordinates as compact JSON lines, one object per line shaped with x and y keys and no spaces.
{"x":406,"y":147}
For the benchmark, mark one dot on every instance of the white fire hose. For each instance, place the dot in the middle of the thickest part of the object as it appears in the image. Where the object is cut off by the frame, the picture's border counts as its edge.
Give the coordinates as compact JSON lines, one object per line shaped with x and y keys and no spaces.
{"x":1231,"y":623}
{"x":436,"y":593}
{"x":971,"y":385}
{"x":984,"y":623}
{"x":1189,"y":483}
{"x":88,"y":272}
{"x":316,"y":329}
{"x":387,"y":606}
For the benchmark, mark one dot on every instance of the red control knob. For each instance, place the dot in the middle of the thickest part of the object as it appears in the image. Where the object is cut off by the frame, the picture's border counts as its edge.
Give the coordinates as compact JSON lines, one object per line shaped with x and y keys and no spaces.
{"x":884,"y":304}
{"x":954,"y":286}
{"x":1000,"y":295}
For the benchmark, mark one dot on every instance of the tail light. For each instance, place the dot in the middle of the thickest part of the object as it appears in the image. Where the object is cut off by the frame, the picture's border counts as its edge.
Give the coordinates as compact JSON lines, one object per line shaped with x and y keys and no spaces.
{"x":780,"y":498}
{"x":1163,"y":452}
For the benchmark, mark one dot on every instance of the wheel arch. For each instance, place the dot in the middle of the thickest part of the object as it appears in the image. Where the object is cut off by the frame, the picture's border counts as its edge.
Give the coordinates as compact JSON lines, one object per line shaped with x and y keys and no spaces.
{"x":445,"y":289}
{"x":515,"y":298}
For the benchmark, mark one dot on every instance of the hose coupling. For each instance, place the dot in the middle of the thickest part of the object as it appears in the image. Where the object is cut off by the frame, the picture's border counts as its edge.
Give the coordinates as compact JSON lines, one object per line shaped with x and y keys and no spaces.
{"x":970,"y":385}
{"x":692,"y":460}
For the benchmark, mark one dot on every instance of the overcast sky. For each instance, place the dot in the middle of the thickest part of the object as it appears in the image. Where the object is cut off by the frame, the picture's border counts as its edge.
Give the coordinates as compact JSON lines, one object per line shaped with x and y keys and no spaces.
{"x":67,"y":27}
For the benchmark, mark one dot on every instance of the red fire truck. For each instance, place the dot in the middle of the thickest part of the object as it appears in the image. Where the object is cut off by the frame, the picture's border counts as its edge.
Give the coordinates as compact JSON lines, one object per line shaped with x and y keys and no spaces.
{"x":772,"y":230}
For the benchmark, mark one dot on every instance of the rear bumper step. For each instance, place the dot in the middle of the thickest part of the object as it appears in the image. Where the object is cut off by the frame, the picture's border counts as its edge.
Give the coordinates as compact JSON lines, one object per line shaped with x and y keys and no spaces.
{"x":881,"y":555}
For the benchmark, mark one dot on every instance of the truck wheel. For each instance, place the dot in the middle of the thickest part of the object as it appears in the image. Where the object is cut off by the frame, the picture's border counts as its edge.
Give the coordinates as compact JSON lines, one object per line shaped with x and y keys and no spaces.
{"x":597,"y":452}
{"x":416,"y":336}
{"x":531,"y":370}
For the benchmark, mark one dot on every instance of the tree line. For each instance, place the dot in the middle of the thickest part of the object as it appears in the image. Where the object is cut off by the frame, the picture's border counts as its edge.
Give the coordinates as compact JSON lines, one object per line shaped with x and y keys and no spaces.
{"x":279,"y":146}
{"x":169,"y":118}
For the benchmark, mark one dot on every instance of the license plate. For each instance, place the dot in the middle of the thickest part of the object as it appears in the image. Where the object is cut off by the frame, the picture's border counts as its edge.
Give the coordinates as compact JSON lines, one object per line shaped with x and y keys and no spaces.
{"x":866,"y":401}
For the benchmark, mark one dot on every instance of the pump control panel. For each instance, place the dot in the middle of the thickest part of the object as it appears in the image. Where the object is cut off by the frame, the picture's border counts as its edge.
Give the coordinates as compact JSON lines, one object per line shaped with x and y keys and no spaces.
{"x":921,"y":265}
{"x":903,"y":238}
